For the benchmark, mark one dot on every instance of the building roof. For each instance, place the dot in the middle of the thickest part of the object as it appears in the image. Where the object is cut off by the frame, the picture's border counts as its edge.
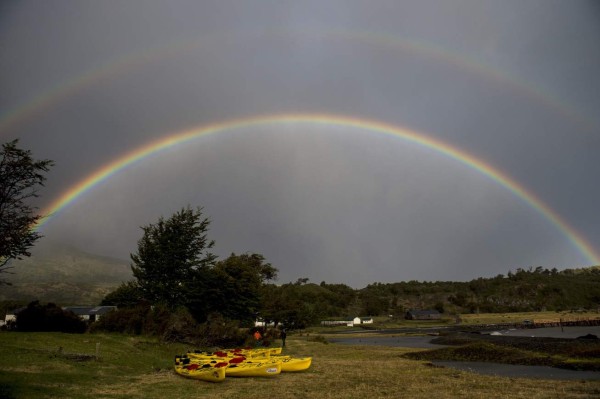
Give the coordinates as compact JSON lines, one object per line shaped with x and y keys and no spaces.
{"x":79,"y":310}
{"x":89,"y":310}
{"x":100,"y":310}
{"x":423,"y":312}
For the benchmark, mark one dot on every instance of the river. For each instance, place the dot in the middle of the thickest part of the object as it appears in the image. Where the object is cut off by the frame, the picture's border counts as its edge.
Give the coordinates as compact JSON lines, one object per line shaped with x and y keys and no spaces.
{"x":498,"y":369}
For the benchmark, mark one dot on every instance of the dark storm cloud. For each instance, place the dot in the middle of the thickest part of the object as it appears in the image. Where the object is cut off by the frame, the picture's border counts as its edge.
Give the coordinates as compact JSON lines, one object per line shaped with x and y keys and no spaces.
{"x":512,"y":83}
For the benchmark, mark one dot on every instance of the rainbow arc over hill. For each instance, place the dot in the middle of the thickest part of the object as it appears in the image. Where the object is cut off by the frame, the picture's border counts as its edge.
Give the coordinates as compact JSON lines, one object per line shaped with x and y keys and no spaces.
{"x":326,"y":120}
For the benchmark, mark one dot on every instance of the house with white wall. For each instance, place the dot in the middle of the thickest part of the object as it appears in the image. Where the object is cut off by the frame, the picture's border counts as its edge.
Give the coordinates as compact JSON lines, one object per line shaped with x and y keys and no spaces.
{"x":363,"y":320}
{"x":347,"y":322}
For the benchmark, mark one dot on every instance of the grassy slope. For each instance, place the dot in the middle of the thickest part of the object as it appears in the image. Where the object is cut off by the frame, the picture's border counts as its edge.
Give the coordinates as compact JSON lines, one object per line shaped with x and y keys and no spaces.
{"x":31,"y":365}
{"x":65,"y":276}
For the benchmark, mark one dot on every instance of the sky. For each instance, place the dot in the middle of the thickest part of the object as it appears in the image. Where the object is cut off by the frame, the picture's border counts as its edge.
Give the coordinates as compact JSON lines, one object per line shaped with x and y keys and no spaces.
{"x":355,"y":141}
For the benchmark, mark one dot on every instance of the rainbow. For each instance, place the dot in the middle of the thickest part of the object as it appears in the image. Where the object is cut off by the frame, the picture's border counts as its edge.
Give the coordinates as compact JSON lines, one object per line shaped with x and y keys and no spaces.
{"x":131,"y":61}
{"x":178,"y":138}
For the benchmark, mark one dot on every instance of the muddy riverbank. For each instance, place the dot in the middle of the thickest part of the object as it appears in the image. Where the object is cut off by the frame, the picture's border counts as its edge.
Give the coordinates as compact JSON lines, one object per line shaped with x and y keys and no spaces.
{"x":520,"y":371}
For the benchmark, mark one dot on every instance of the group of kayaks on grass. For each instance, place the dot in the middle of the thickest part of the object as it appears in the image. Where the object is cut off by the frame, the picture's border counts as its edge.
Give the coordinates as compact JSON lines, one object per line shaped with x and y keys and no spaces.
{"x":215,"y":366}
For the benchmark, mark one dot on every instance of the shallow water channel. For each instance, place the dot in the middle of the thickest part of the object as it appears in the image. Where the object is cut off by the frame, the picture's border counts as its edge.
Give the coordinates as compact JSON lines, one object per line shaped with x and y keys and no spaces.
{"x":503,"y":370}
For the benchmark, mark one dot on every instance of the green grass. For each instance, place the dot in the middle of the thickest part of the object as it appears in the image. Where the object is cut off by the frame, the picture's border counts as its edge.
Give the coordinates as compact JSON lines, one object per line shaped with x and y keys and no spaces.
{"x":33,"y":366}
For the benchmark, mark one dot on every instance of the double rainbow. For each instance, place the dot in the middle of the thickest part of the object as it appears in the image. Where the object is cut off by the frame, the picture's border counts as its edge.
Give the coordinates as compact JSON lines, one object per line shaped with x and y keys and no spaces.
{"x":178,"y":138}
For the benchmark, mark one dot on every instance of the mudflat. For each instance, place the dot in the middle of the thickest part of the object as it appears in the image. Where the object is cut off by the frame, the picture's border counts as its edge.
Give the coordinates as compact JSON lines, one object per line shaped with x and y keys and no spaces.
{"x":553,"y":332}
{"x":567,"y":353}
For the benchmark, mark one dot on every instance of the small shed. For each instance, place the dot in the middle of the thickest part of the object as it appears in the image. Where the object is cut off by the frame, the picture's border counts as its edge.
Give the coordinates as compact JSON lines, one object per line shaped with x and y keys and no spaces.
{"x":362,"y":320}
{"x":99,"y":311}
{"x":261,"y":323}
{"x":82,"y":311}
{"x":422,"y":315}
{"x":90,"y":313}
{"x":333,"y":323}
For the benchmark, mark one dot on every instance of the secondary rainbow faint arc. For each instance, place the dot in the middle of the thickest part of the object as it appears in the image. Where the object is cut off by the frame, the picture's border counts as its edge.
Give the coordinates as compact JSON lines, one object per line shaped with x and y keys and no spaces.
{"x":128,"y":62}
{"x":412,"y":136}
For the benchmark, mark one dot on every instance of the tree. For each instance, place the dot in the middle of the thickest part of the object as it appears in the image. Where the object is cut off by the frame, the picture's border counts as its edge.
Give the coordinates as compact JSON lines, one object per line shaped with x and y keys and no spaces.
{"x":273,"y":308}
{"x":125,"y":296}
{"x":240,"y":280}
{"x":20,"y":179}
{"x":49,"y":317}
{"x":171,"y":254}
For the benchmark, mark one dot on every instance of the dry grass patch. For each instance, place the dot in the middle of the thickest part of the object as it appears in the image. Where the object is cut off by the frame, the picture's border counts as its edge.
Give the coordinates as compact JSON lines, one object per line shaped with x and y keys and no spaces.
{"x":494,"y":318}
{"x":128,"y":370}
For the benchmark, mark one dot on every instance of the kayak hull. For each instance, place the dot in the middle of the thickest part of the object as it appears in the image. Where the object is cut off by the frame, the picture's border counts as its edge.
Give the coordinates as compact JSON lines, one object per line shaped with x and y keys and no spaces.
{"x":198,"y":372}
{"x":231,"y":367}
{"x":254,"y":369}
{"x":293,"y":364}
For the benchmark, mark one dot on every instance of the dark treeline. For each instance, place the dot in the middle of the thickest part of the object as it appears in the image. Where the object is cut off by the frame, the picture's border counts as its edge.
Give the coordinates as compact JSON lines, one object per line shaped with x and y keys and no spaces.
{"x":538,"y":289}
{"x":535,"y":289}
{"x":301,"y":304}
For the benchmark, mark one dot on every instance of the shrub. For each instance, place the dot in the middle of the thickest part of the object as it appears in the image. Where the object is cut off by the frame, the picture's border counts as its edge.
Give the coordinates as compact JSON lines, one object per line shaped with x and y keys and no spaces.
{"x":177,"y":326}
{"x":221,"y":332}
{"x":180,"y":327}
{"x":49,"y":317}
{"x":127,"y":320}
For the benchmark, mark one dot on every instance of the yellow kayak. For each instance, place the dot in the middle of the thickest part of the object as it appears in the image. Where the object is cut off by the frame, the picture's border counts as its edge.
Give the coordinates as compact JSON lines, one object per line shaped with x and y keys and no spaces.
{"x":200,"y":371}
{"x":291,"y":364}
{"x":254,"y":368}
{"x":250,"y":352}
{"x":231,"y":353}
{"x":236,"y":366}
{"x":275,"y":351}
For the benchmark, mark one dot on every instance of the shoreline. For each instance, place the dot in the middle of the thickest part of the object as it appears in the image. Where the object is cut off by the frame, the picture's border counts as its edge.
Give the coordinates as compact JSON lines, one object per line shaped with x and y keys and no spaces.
{"x":537,"y":335}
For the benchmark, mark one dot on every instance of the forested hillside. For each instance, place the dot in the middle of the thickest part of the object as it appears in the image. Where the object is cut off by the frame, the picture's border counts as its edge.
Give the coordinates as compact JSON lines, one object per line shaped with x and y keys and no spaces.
{"x":524,"y":290}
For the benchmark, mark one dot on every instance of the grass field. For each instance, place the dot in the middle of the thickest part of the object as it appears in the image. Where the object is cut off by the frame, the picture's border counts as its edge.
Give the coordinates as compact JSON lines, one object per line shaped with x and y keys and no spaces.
{"x":474,"y":319}
{"x":518,"y":317}
{"x":52,"y":365}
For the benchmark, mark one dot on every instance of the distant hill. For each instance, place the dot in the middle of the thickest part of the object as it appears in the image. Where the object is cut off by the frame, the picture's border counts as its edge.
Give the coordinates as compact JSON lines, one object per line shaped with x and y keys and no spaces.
{"x":64,"y":275}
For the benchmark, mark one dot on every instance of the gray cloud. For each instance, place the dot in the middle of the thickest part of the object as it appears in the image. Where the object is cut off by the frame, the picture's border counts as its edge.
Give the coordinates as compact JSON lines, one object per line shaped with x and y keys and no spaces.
{"x":512,"y":83}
